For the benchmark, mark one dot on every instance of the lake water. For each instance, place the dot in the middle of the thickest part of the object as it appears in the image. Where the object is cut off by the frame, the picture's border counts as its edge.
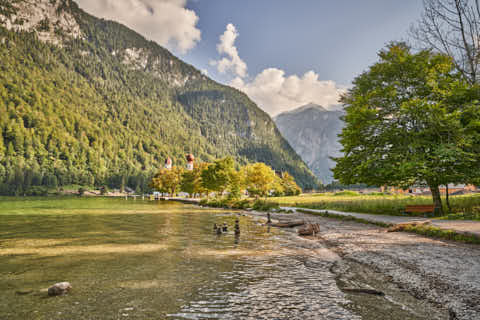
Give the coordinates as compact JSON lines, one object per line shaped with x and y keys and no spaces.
{"x":158,"y":260}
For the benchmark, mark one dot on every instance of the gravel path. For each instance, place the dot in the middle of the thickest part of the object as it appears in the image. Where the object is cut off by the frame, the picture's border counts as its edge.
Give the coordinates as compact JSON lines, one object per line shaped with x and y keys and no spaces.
{"x":442,"y":272}
{"x":457,"y":225}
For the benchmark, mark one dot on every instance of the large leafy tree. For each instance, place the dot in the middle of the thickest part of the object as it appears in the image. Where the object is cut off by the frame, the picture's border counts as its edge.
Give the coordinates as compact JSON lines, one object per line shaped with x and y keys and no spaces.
{"x":259,"y":179}
{"x":410,"y":119}
{"x":167,"y":180}
{"x":192,"y":180}
{"x":218,"y":175}
{"x":289,"y":186}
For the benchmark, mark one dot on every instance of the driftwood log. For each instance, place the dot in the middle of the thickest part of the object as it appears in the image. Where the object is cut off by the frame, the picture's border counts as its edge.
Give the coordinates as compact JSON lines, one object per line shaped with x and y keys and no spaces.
{"x":403,"y":226}
{"x":309,"y":230}
{"x":363,"y":290}
{"x":288,"y":224}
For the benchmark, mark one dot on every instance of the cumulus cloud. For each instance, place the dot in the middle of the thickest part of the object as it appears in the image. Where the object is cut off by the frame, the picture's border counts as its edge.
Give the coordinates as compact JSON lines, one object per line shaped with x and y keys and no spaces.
{"x":167,"y":22}
{"x":275,"y":92}
{"x":232,"y":61}
{"x":272,"y":89}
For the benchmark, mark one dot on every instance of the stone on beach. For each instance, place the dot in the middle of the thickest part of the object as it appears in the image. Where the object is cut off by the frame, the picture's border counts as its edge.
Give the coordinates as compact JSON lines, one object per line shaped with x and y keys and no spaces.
{"x":59,"y":289}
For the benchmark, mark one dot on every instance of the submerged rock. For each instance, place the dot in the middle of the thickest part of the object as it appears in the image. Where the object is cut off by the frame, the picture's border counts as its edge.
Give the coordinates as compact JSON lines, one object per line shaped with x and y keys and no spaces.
{"x":59,"y":289}
{"x":23,"y":292}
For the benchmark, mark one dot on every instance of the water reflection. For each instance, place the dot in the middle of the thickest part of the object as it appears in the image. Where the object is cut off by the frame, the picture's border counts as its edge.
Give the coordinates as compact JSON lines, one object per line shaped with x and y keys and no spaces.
{"x":147,"y":260}
{"x":288,"y":282}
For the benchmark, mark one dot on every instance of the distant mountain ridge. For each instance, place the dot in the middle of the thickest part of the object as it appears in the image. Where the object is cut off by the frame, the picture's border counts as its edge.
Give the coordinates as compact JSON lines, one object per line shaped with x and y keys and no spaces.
{"x":313,"y":132}
{"x":89,"y":101}
{"x":308,"y":107}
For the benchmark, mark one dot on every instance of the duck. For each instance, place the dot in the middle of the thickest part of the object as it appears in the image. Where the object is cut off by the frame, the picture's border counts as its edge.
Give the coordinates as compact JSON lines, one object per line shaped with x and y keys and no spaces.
{"x":237,"y":227}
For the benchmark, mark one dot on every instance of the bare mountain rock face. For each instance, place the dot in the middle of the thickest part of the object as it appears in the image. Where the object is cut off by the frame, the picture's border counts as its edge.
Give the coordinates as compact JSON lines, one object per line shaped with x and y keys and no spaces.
{"x":313,"y":131}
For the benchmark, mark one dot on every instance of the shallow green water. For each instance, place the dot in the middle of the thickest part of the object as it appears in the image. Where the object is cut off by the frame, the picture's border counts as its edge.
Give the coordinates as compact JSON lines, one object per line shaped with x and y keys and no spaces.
{"x":157,"y":260}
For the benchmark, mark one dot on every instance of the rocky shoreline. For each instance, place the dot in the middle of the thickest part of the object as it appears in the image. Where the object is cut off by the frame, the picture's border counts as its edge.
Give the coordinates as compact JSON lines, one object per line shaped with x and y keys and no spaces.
{"x":442,"y":274}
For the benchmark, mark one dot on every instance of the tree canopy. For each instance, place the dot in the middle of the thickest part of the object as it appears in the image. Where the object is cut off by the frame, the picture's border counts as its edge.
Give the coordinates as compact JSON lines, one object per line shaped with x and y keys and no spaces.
{"x":410,"y":119}
{"x":260,"y":179}
{"x":222,"y":176}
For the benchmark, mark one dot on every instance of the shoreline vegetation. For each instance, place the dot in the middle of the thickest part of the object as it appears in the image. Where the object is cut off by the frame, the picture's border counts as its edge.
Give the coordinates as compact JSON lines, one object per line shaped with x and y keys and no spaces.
{"x":463,"y":207}
{"x":425,"y":230}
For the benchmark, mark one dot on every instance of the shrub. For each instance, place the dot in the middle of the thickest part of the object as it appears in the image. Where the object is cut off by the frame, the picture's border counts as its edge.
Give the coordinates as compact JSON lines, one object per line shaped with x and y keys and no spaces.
{"x":262,"y":205}
{"x":103,"y":190}
{"x":37,"y":191}
{"x":347,"y":193}
{"x":241,"y":204}
{"x":465,"y":214}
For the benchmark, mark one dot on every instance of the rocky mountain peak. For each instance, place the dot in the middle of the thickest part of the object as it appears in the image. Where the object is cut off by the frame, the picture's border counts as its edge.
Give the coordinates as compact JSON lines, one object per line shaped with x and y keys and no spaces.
{"x":51,"y":20}
{"x":313,"y":131}
{"x":310,"y":106}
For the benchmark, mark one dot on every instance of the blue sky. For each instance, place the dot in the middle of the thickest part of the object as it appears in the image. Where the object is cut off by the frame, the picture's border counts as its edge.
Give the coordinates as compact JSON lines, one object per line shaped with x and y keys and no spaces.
{"x":338,"y":39}
{"x":287,"y":53}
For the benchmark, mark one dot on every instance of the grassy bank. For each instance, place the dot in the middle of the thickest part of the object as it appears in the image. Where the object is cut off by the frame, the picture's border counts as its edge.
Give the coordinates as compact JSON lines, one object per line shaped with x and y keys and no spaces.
{"x":462,"y":206}
{"x":241,"y":204}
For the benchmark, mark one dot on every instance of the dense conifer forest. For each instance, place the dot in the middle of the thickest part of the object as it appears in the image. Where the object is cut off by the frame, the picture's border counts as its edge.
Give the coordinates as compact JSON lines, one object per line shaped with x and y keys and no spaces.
{"x":107,"y":108}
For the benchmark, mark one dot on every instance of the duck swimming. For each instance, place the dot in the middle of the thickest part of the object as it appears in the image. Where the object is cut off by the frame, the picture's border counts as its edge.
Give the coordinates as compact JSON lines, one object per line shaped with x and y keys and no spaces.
{"x":237,"y":227}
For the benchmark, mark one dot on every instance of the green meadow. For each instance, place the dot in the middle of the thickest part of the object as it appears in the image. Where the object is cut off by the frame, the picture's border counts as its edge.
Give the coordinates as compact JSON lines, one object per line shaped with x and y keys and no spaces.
{"x":463,"y":206}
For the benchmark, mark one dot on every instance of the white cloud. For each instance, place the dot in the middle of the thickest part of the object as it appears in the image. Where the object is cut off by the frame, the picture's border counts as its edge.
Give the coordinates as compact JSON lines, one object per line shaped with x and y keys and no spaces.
{"x":227,"y":46}
{"x":275,"y":92}
{"x":167,"y":22}
{"x":271,"y":89}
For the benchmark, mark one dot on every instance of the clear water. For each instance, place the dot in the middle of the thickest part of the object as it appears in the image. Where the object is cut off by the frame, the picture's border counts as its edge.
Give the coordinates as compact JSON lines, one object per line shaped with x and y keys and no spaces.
{"x":157,"y":260}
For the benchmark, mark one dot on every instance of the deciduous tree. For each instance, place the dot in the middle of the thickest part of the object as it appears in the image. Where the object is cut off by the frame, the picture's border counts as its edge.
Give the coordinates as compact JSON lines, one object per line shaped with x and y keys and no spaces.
{"x":290,"y":187}
{"x":167,"y":180}
{"x":192,"y":180}
{"x":410,"y":119}
{"x":218,"y":175}
{"x":259,"y":179}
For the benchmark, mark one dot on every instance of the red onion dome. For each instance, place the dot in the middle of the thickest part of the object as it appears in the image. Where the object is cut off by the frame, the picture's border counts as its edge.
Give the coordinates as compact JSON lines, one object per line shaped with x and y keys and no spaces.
{"x":190,"y":158}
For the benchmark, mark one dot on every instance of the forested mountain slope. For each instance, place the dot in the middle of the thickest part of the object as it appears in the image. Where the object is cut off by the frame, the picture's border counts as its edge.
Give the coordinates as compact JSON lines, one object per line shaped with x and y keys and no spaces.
{"x":89,"y":101}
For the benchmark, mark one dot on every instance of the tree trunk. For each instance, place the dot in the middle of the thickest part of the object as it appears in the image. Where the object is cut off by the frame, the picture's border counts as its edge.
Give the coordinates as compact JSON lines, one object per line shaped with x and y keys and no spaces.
{"x":437,"y":201}
{"x":447,"y":198}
